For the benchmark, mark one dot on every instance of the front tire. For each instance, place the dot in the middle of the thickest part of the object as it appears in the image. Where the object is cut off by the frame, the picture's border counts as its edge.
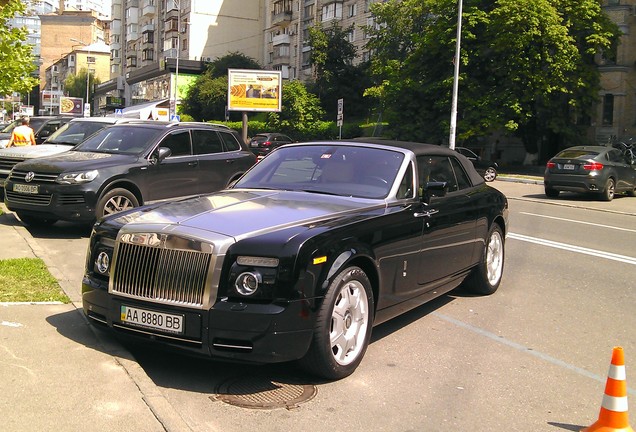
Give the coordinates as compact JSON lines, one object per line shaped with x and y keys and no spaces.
{"x":114,"y":201}
{"x":490,"y":174}
{"x":486,"y":277}
{"x":343,"y":326}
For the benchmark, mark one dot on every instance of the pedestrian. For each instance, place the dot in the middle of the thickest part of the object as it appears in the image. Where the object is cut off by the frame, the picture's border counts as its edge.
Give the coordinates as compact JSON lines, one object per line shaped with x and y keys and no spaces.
{"x":22,"y":135}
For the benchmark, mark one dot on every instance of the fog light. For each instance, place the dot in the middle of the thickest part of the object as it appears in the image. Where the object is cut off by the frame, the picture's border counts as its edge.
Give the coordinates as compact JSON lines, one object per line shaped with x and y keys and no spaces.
{"x":247,"y":283}
{"x":102,"y":262}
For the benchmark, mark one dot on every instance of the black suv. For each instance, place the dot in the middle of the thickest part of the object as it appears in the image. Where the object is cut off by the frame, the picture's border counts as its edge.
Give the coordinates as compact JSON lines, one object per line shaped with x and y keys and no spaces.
{"x":124,"y":166}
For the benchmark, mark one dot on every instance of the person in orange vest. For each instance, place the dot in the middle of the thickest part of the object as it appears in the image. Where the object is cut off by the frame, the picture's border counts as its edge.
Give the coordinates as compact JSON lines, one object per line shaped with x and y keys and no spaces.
{"x":22,"y":135}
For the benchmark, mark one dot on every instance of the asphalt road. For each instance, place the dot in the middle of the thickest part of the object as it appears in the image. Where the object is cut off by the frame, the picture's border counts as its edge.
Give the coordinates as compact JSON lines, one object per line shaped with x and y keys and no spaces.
{"x":532,"y":357}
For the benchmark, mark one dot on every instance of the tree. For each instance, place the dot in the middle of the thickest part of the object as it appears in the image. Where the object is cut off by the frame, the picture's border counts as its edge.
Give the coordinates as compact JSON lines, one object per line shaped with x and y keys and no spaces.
{"x":207,"y":98}
{"x":16,"y":56}
{"x":336,"y":77}
{"x":75,"y":85}
{"x":527,"y":66}
{"x":300,"y":109}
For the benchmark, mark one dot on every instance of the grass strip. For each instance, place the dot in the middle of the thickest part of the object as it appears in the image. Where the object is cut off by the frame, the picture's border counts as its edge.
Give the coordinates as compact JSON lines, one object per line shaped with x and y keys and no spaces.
{"x":28,"y":280}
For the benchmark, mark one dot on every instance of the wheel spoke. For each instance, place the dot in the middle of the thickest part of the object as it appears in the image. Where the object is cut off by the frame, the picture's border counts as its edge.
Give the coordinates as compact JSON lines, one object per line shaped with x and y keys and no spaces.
{"x":348,"y":323}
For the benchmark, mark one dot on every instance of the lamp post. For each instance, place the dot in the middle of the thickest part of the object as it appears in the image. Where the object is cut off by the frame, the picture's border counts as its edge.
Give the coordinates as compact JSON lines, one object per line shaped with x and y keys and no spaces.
{"x":177,"y":4}
{"x":453,"y":120}
{"x":87,"y":112}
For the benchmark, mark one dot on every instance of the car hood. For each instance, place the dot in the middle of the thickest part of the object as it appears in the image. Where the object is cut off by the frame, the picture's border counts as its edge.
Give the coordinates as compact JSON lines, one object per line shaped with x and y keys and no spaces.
{"x":240,"y":213}
{"x":75,"y":160}
{"x":28,"y":152}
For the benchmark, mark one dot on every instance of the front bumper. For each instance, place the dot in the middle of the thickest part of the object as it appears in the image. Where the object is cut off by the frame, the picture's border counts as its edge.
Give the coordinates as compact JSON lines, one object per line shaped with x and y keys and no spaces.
{"x":252,"y":333}
{"x":65,"y":202}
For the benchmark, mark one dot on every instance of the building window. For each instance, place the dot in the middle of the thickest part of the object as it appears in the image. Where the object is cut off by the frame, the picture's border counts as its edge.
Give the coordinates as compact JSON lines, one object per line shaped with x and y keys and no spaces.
{"x":282,"y":6}
{"x":147,"y":55}
{"x":184,"y":45}
{"x":351,"y":36}
{"x":353,"y":10}
{"x":90,"y":59}
{"x":608,"y":110}
{"x":309,"y":11}
{"x":149,"y":37}
{"x":332,"y":11}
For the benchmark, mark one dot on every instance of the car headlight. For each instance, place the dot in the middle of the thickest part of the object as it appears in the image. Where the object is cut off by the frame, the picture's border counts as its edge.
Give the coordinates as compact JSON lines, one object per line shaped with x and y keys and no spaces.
{"x":3,"y":143}
{"x":77,"y":177}
{"x":103,"y":259}
{"x":254,"y":277}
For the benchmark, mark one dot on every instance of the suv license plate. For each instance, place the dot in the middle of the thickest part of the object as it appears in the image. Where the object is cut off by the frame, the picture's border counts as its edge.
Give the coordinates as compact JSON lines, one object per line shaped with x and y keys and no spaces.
{"x":153,"y":320}
{"x":23,"y":188}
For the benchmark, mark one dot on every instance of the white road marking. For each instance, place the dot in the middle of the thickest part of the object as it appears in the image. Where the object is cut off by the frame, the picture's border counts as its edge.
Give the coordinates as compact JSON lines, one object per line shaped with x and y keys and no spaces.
{"x":580,"y":222}
{"x":528,"y":350}
{"x":593,"y":252}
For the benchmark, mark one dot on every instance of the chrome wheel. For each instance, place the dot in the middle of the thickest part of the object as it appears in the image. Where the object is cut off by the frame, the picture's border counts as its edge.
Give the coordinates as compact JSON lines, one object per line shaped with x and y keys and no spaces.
{"x":117,"y":204}
{"x":494,"y":258}
{"x":349,"y":323}
{"x":490,"y":174}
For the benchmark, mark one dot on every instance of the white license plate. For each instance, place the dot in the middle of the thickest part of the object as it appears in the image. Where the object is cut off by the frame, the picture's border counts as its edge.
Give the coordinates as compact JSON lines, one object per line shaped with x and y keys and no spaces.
{"x":23,"y":188}
{"x":568,"y":166}
{"x":152,"y":320}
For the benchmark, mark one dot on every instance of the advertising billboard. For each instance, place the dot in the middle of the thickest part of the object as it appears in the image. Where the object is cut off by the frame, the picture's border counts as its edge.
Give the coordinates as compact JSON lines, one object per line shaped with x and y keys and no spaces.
{"x":71,"y":105}
{"x":254,"y":90}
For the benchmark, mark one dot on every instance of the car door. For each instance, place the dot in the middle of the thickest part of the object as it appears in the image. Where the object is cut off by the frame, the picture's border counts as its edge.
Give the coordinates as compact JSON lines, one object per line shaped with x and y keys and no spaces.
{"x":448,"y":236}
{"x":216,"y":165}
{"x":176,"y":175}
{"x":625,"y":172}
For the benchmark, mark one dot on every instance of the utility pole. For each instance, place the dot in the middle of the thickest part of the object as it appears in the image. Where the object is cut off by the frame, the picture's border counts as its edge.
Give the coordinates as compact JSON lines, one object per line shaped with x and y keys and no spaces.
{"x":453,"y":120}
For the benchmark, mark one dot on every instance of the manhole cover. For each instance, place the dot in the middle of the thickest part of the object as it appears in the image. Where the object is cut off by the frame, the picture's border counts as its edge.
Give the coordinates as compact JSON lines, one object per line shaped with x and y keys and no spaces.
{"x":262,"y":393}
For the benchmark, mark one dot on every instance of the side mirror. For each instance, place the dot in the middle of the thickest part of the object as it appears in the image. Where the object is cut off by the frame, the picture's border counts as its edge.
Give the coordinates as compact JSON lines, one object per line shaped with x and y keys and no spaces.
{"x":434,"y":189}
{"x":159,"y":155}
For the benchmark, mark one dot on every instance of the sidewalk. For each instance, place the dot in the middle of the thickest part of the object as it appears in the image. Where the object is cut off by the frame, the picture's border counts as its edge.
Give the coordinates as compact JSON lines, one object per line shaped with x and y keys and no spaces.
{"x":58,"y":373}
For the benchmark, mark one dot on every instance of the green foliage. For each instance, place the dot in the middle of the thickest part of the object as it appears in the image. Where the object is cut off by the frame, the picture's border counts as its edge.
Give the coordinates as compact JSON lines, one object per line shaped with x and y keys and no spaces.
{"x":16,"y":56}
{"x":75,"y":85}
{"x":526,"y":66}
{"x":28,"y":280}
{"x":300,"y":109}
{"x":336,"y":77}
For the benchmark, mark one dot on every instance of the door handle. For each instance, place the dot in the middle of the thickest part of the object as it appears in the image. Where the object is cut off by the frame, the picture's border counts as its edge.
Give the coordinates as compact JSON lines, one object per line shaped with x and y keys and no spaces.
{"x":427,"y":213}
{"x":193,"y":163}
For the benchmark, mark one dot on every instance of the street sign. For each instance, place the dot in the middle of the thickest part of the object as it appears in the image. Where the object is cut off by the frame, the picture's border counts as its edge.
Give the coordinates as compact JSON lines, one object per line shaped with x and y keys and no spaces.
{"x":119,"y":112}
{"x":175,"y":117}
{"x":340,"y":106}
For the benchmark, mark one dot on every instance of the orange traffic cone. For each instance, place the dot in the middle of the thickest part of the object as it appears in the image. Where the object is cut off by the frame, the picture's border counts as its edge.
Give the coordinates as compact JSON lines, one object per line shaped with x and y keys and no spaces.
{"x":614,"y":416}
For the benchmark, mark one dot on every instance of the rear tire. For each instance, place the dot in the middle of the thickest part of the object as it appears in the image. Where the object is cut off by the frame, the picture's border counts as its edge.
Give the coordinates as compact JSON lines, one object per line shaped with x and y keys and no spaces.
{"x":486,"y":277}
{"x":608,"y":192}
{"x":551,"y":193}
{"x":343,"y":327}
{"x":35,"y":221}
{"x":115,"y":201}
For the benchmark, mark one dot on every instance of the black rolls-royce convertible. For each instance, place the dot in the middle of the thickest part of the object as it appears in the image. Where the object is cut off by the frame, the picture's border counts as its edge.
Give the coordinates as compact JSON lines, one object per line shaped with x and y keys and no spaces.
{"x":301,"y":257}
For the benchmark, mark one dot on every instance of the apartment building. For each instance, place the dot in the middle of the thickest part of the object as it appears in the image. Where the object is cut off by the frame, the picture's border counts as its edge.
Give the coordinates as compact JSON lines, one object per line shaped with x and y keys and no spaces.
{"x":94,"y":58}
{"x":287,"y":31}
{"x":616,"y":111}
{"x":159,"y":47}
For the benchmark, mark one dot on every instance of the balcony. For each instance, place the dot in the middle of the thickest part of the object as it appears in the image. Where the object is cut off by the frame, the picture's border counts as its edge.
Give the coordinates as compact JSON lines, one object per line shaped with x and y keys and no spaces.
{"x":281,"y":39}
{"x":147,"y":28}
{"x":281,"y":17}
{"x":148,"y":11}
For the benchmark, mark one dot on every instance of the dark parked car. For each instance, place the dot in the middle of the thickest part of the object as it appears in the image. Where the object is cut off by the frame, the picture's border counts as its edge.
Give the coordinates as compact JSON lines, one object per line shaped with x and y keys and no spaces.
{"x":123,"y":166}
{"x":599,"y":170}
{"x":263,"y":143}
{"x":298,"y":260}
{"x":63,"y":139}
{"x":487,"y":168}
{"x":42,"y":127}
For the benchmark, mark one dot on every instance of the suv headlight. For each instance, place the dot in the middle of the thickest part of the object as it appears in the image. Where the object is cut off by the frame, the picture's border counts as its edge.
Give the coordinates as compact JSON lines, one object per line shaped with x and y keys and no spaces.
{"x":77,"y":177}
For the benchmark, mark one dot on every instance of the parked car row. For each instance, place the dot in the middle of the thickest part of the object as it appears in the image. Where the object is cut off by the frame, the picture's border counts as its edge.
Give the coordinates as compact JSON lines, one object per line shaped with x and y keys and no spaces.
{"x":42,"y":127}
{"x":123,"y":166}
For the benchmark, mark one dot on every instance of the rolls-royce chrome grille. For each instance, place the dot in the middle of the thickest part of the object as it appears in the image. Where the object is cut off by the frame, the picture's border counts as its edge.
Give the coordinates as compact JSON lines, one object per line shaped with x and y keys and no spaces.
{"x":156,"y":273}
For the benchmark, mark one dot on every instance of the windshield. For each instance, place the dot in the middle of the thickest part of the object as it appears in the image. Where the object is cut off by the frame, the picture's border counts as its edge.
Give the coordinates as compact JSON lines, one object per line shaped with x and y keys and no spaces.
{"x":75,"y":132}
{"x":330,"y":169}
{"x":120,"y":140}
{"x":577,"y":154}
{"x":9,"y":128}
